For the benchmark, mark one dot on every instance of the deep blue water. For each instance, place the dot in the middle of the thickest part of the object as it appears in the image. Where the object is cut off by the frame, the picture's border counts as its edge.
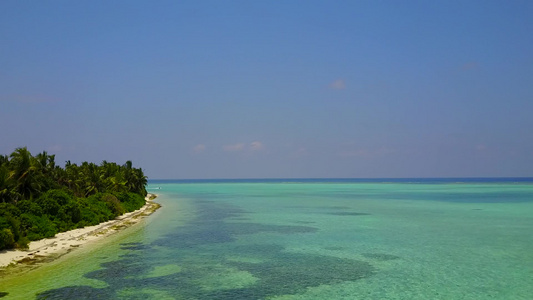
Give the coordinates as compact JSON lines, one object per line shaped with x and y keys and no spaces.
{"x":354,"y":180}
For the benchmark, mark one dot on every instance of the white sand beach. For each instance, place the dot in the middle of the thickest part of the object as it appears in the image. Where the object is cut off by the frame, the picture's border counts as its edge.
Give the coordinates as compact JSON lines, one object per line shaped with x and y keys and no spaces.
{"x":65,"y":242}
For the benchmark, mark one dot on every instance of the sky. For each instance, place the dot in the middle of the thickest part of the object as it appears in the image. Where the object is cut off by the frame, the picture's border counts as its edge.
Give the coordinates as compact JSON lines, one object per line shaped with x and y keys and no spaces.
{"x":272,"y":89}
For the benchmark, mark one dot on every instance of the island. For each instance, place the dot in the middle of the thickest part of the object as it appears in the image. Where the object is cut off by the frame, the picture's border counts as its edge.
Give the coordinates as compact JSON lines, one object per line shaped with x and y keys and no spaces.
{"x":42,"y":202}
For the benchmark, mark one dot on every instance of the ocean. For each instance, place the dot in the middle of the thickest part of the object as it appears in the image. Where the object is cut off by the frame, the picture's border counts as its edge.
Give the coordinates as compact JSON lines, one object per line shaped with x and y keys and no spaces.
{"x":308,"y":239}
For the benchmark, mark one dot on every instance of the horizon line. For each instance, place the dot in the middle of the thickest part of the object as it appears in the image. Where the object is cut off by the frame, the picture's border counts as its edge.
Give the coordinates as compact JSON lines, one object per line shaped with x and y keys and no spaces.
{"x":358,"y":178}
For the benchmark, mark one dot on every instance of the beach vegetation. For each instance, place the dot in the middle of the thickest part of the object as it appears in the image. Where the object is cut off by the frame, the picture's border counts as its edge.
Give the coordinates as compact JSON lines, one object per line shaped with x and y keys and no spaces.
{"x":39,"y":198}
{"x":7,"y":239}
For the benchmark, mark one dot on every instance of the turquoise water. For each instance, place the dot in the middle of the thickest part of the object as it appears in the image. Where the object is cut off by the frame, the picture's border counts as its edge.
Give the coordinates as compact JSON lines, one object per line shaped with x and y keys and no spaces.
{"x":314,"y":239}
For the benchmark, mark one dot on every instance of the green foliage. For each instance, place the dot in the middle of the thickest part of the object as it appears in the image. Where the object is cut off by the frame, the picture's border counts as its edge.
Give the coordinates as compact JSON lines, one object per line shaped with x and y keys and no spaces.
{"x":29,"y":206}
{"x":131,"y":201}
{"x":39,"y":199}
{"x":7,"y":239}
{"x":5,"y":188}
{"x":94,"y":210}
{"x":113,"y":204}
{"x":14,"y":224}
{"x":71,"y":212}
{"x":37,"y":227}
{"x":52,"y":201}
{"x":23,"y":243}
{"x":8,"y":209}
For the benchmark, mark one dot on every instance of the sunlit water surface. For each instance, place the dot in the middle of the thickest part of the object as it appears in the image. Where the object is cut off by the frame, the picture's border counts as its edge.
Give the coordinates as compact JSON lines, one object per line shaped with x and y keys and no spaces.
{"x":314,"y":239}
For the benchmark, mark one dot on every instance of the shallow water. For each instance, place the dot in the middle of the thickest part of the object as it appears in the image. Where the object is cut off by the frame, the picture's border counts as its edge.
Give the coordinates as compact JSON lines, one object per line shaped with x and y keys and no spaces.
{"x":308,"y":240}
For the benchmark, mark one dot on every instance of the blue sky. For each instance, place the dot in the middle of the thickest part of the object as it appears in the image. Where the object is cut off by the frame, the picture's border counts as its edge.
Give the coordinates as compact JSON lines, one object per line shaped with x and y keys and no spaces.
{"x":270,"y":89}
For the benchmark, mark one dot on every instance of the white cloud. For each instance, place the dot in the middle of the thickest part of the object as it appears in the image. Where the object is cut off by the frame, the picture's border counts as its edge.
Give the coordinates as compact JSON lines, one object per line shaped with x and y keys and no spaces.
{"x":199,"y":148}
{"x":238,"y":147}
{"x":256,"y":146}
{"x":338,"y":84}
{"x":234,"y":147}
{"x":383,"y":151}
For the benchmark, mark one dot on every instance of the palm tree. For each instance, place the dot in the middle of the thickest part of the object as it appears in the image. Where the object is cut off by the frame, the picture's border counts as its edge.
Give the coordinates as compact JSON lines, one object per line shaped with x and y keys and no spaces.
{"x":4,"y":160}
{"x":135,"y":178}
{"x":117,"y":183}
{"x":23,"y":171}
{"x":45,"y":169}
{"x":140,"y":182}
{"x":45,"y":163}
{"x":91,"y":178}
{"x":72,"y":178}
{"x":5,"y":189}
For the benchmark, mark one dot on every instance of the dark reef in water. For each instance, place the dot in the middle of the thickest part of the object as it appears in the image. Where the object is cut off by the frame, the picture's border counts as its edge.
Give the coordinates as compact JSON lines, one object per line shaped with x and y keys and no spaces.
{"x":334,"y":248}
{"x":347,"y":213}
{"x":134,"y":246}
{"x":380,"y":256}
{"x":209,"y":247}
{"x":304,"y":222}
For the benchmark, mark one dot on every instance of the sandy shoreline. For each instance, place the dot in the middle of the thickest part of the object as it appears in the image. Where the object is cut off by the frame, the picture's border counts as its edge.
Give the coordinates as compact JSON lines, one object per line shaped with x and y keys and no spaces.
{"x":64,"y":242}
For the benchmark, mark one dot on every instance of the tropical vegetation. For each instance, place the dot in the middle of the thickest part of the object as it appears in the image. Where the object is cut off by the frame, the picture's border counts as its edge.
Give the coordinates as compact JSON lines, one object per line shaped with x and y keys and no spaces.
{"x":39,"y":198}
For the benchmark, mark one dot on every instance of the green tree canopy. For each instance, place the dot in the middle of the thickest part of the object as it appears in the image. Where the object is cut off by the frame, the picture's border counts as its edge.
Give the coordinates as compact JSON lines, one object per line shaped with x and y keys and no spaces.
{"x":39,"y":198}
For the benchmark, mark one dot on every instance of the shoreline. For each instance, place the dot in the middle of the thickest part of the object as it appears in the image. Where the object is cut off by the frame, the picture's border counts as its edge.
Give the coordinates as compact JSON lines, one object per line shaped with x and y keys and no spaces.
{"x":45,"y":250}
